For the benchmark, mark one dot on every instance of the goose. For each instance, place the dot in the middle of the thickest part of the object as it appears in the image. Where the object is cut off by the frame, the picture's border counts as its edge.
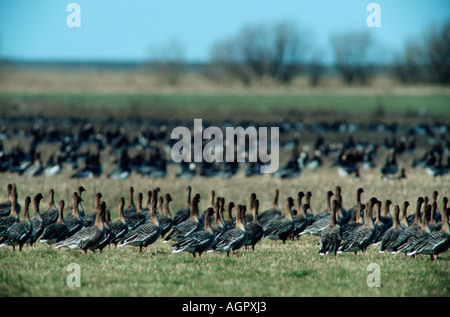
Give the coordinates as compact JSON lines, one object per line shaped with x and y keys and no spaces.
{"x":364,"y":235}
{"x":248,"y":217}
{"x":321,"y":220}
{"x":343,"y":215}
{"x":300,"y":219}
{"x":20,"y":231}
{"x":131,"y":206}
{"x":348,"y":228}
{"x":50,"y":215}
{"x":81,"y":212}
{"x":145,"y":234}
{"x":390,"y":166}
{"x":137,"y":218}
{"x":182,"y":214}
{"x":352,"y":211}
{"x":8,"y":221}
{"x":270,"y":214}
{"x":437,"y":214}
{"x":444,"y":207}
{"x":34,"y":169}
{"x":432,"y":222}
{"x":233,"y":239}
{"x":89,"y":219}
{"x":380,"y":226}
{"x":199,"y":241}
{"x":88,"y":238}
{"x":408,"y":242}
{"x":437,"y":242}
{"x":118,"y":227}
{"x":230,"y":222}
{"x":52,"y":168}
{"x":36,"y":221}
{"x":212,"y":205}
{"x":57,"y":231}
{"x":188,"y":226}
{"x":107,"y":232}
{"x":281,"y":229}
{"x":218,"y":227}
{"x":410,"y":231}
{"x":255,"y":231}
{"x":392,"y":234}
{"x":330,"y":237}
{"x":165,"y":218}
{"x":5,"y":207}
{"x":403,"y":220}
{"x":74,"y":223}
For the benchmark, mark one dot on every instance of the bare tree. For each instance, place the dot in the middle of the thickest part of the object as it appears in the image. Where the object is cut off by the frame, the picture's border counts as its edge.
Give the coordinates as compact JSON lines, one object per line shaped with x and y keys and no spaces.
{"x":351,"y":54}
{"x":408,"y":65}
{"x":276,"y":51}
{"x":438,"y":53}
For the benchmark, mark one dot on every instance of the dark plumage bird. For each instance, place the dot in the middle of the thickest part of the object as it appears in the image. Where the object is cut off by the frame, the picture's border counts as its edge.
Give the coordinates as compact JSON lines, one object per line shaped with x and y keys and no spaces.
{"x":255,"y":231}
{"x":5,"y":206}
{"x":281,"y":229}
{"x":73,"y":222}
{"x":50,"y":215}
{"x":392,"y":234}
{"x":182,"y":214}
{"x":199,"y":241}
{"x":57,"y":231}
{"x":330,"y":237}
{"x":165,"y":218}
{"x":270,"y":214}
{"x":321,"y":220}
{"x":36,"y":221}
{"x":299,"y":217}
{"x":8,"y":221}
{"x":118,"y":227}
{"x":88,"y":238}
{"x":145,"y":234}
{"x":136,"y":218}
{"x":364,"y":235}
{"x":188,"y":226}
{"x":233,"y":239}
{"x":20,"y":231}
{"x":437,"y":242}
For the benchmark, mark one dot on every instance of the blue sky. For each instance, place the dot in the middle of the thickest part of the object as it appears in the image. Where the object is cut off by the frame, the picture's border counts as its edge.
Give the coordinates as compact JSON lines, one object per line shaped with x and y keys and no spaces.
{"x":127,"y":30}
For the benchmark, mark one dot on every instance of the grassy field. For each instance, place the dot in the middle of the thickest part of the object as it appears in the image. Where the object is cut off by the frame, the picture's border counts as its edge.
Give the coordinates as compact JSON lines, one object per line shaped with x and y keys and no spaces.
{"x":293,"y":269}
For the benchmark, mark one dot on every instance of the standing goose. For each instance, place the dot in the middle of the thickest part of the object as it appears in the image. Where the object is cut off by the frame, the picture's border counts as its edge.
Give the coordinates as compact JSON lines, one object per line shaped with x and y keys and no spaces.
{"x":348,"y":228}
{"x":8,"y":221}
{"x":188,"y":226}
{"x":145,"y":234}
{"x":165,"y":218}
{"x":199,"y":241}
{"x":5,"y":207}
{"x":74,"y":223}
{"x":403,"y":220}
{"x":81,"y":212}
{"x":51,"y":214}
{"x":437,"y":242}
{"x":432,"y":222}
{"x":270,"y":214}
{"x":380,"y":225}
{"x":357,"y":208}
{"x":232,"y":239}
{"x":131,"y":206}
{"x":88,"y":238}
{"x":57,"y":231}
{"x":230,"y":222}
{"x":330,"y":237}
{"x":281,"y":229}
{"x":249,"y":216}
{"x":136,"y":218}
{"x":218,"y":227}
{"x":417,"y":236}
{"x":20,"y":231}
{"x":364,"y":235}
{"x":410,"y":231}
{"x":300,"y":219}
{"x":36,"y":221}
{"x":321,"y":220}
{"x":119,"y":227}
{"x":89,"y":219}
{"x":183,"y":213}
{"x":392,"y":234}
{"x":255,"y":231}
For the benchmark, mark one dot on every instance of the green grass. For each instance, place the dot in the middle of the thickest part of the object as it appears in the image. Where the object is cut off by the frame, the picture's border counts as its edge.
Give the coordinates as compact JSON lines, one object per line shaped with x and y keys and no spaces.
{"x":290,"y":270}
{"x":185,"y":104}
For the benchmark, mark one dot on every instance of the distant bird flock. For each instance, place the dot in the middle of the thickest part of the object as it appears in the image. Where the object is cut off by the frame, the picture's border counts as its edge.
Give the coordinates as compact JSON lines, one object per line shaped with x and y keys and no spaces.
{"x":81,"y":147}
{"x":224,"y":226}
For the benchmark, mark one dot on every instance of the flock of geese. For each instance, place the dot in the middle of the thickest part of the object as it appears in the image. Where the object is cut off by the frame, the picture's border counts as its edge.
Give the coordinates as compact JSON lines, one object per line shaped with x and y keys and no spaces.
{"x":217,"y":230}
{"x":143,"y":147}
